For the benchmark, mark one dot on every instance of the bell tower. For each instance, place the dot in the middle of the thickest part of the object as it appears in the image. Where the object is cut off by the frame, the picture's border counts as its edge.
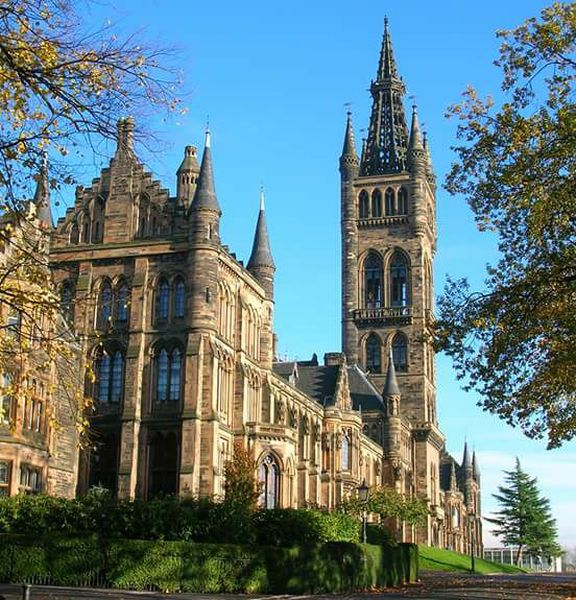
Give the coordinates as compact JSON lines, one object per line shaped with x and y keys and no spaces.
{"x":388,"y":232}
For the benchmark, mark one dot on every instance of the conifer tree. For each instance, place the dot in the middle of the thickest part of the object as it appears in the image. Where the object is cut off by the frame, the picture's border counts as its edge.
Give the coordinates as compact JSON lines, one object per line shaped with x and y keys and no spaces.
{"x":525,"y":519}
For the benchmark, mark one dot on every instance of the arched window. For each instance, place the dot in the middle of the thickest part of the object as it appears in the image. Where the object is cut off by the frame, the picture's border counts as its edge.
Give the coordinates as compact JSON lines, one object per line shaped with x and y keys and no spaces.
{"x":373,"y":281}
{"x":179,"y":299}
{"x":389,"y":201}
{"x":104,"y":459}
{"x":402,"y":201}
{"x":400,"y":352}
{"x":376,"y":203}
{"x":399,"y":292}
{"x":122,"y":304}
{"x":67,"y":301}
{"x":162,"y":300}
{"x":269,"y":479}
{"x":163,"y":451}
{"x":363,"y":204}
{"x":86,"y":230}
{"x":373,"y":354}
{"x":168,"y":371}
{"x":74,"y":233}
{"x":345,"y":453}
{"x":104,"y":305}
{"x":109,"y":371}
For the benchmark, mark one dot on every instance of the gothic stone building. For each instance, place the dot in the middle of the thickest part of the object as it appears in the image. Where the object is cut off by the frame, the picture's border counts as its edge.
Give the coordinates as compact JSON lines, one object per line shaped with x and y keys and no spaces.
{"x":180,"y":334}
{"x":35,"y":456}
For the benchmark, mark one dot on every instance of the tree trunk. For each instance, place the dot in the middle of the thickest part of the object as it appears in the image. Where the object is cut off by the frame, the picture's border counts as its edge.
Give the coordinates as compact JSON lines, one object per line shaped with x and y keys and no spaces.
{"x":518,"y":556}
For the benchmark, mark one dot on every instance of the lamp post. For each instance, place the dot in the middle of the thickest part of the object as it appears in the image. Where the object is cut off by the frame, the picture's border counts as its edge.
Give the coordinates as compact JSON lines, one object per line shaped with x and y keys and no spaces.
{"x":471,"y":528}
{"x":363,"y":491}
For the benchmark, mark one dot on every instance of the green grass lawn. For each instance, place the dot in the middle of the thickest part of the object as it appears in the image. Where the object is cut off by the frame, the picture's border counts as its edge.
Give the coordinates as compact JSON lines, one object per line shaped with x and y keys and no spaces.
{"x":437,"y":559}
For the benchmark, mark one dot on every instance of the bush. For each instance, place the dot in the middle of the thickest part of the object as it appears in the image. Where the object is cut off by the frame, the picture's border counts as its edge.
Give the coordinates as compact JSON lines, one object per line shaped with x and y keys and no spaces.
{"x":171,"y":518}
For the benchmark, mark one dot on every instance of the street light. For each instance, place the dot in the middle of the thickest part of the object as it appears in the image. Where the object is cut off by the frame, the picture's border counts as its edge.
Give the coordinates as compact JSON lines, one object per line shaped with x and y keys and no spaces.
{"x":471,"y":528}
{"x":363,"y":491}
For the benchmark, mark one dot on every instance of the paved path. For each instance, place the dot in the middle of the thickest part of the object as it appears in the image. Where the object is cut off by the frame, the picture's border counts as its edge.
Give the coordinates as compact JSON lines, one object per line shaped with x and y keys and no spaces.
{"x":432,"y":587}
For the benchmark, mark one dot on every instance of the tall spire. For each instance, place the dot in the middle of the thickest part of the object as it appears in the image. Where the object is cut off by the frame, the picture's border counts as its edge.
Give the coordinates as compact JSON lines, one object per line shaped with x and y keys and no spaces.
{"x":261,"y":255}
{"x":387,"y":142}
{"x":391,"y":386}
{"x":349,"y":148}
{"x":466,"y":462}
{"x":387,"y":64}
{"x":205,"y":195}
{"x":42,"y":196}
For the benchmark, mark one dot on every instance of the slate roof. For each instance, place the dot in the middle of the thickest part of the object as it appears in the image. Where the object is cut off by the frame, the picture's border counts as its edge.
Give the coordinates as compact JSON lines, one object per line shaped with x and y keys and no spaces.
{"x":319,"y":382}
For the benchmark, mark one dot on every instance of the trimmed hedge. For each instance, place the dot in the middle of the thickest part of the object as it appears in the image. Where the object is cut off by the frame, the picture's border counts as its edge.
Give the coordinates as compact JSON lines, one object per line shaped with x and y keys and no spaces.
{"x":170,"y":518}
{"x":171,"y":566}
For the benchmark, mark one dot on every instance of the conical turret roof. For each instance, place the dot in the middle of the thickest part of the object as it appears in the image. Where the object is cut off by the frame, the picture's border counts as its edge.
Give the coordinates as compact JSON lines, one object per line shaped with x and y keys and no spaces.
{"x":466,"y":460}
{"x":415,"y":142}
{"x":391,"y":386}
{"x":349,"y":148}
{"x":205,"y":195}
{"x":261,"y":255}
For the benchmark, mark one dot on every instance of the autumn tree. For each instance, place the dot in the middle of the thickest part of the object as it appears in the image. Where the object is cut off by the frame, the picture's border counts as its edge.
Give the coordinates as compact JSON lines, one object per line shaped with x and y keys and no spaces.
{"x":515,"y":341}
{"x":63,"y":87}
{"x":240,"y":485}
{"x":524,"y":520}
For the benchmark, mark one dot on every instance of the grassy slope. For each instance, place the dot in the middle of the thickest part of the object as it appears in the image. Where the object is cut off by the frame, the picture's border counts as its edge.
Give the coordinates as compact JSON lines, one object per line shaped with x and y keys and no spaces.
{"x":436,"y":559}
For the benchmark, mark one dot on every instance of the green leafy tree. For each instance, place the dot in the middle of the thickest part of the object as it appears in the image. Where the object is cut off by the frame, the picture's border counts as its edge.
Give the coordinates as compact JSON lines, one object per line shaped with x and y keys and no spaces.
{"x":524,"y":519}
{"x":240,"y":485}
{"x":388,"y":503}
{"x":515,"y":342}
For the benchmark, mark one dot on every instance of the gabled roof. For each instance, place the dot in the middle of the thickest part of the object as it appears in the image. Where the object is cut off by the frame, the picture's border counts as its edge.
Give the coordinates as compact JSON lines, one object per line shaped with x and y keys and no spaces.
{"x":319,"y":382}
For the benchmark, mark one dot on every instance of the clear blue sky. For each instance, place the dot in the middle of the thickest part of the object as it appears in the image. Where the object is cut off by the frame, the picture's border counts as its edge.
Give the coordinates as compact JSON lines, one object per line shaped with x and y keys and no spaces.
{"x":274,"y":78}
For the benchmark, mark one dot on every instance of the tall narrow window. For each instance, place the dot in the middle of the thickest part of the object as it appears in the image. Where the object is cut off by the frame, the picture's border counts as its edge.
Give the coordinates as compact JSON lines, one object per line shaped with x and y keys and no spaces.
{"x":162,"y":375}
{"x":66,"y":301}
{"x":363,"y":205}
{"x":163,"y":451}
{"x":373,"y":281}
{"x":175,"y":375}
{"x":5,"y":468}
{"x":269,"y":479}
{"x":117,"y":377}
{"x":179,"y":299}
{"x":373,"y":354}
{"x":400,"y":352}
{"x":122,"y":304}
{"x":389,"y":201}
{"x":376,"y":203}
{"x":399,"y":292}
{"x":345,"y":453}
{"x":105,"y":305}
{"x":103,"y":368}
{"x":104,"y":459}
{"x":74,"y":233}
{"x":402,"y":201}
{"x":163,"y":300}
{"x":5,"y":400}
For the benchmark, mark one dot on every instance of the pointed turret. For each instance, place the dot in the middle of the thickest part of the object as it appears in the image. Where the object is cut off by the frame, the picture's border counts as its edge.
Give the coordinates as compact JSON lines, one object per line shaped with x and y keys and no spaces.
{"x":415,"y":143}
{"x":187,"y":176}
{"x":387,"y":142}
{"x":42,"y":197}
{"x":475,"y":468}
{"x":261,"y":264}
{"x":391,"y":386}
{"x":205,"y":196}
{"x":349,"y":158}
{"x":466,"y":460}
{"x":204,"y":212}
